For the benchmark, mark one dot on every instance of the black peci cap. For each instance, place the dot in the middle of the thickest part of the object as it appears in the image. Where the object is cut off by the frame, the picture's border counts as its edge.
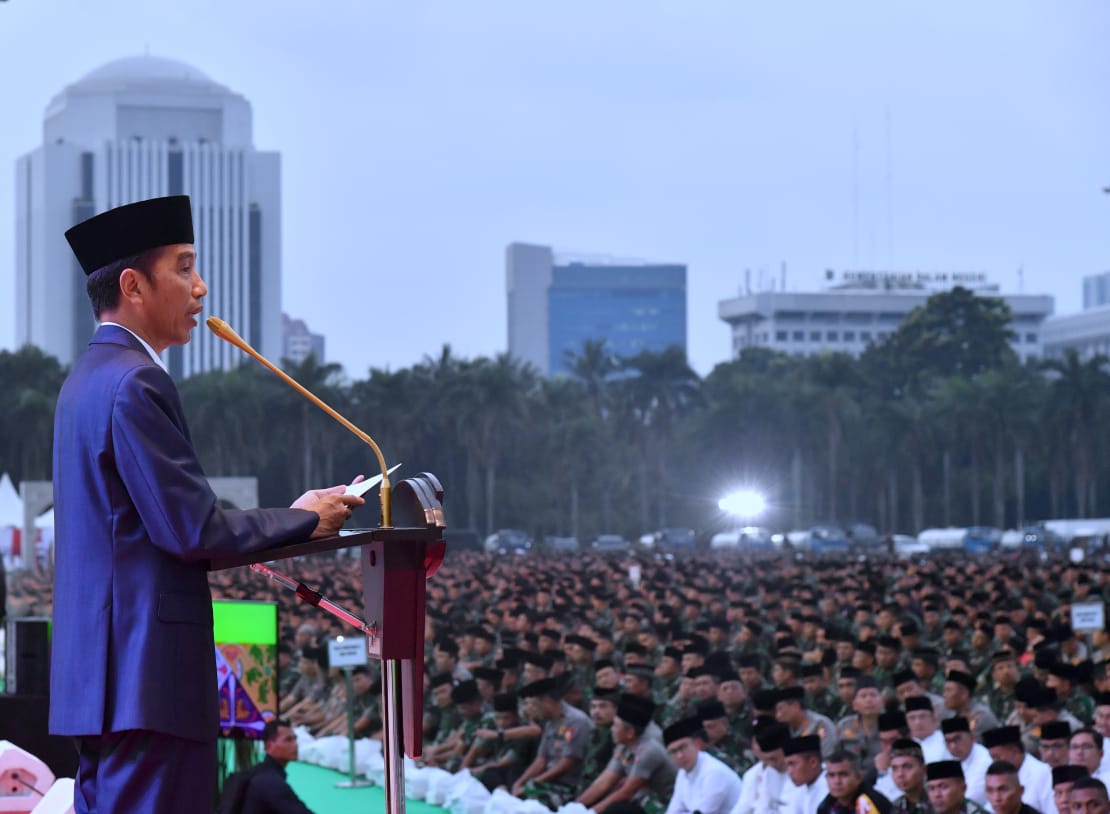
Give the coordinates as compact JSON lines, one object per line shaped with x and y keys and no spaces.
{"x":131,"y":229}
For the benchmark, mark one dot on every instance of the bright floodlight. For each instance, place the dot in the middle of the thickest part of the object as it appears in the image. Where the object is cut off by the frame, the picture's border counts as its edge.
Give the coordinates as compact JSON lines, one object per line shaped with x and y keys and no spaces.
{"x":745,"y":503}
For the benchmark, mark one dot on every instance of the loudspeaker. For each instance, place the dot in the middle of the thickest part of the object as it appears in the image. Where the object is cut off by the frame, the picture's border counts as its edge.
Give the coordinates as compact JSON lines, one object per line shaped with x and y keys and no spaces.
{"x":28,"y":656}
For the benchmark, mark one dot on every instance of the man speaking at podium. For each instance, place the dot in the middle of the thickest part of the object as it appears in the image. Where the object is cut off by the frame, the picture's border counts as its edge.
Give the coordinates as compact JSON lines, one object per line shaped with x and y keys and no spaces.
{"x":133,"y":676}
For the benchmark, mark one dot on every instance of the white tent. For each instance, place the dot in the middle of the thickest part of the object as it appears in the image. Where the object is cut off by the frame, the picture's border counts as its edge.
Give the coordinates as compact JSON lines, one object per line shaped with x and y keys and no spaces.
{"x":11,"y":506}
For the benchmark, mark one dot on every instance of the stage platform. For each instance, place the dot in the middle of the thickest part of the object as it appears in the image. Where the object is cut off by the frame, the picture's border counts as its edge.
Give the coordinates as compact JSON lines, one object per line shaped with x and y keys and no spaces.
{"x":316,"y":787}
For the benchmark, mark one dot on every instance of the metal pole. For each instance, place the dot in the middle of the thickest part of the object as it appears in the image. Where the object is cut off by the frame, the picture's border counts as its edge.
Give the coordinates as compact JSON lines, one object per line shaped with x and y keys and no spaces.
{"x":392,"y":745}
{"x":353,"y":783}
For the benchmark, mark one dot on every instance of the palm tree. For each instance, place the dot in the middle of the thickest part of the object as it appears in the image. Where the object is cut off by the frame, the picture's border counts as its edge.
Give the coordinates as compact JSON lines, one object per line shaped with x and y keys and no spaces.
{"x":1079,"y":391}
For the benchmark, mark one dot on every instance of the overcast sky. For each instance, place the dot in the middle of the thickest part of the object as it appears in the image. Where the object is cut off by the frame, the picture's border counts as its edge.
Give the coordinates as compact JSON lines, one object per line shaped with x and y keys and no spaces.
{"x":419,"y":138}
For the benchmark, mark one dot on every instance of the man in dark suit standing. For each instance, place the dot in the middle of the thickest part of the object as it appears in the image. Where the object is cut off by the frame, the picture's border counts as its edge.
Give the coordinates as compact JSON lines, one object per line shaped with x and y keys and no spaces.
{"x":133,"y":674}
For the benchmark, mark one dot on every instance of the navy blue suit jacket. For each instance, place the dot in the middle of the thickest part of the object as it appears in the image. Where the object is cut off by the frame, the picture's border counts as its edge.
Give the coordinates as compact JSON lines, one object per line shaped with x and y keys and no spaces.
{"x":135,"y":525}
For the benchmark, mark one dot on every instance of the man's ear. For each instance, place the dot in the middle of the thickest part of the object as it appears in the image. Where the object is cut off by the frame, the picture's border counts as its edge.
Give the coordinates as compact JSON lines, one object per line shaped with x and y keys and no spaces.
{"x":130,"y":281}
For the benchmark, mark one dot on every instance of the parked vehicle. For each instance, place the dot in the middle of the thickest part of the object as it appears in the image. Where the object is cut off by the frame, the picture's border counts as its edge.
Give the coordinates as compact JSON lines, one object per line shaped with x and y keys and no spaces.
{"x":906,"y":545}
{"x":561,"y":543}
{"x":610,"y":543}
{"x":749,"y":538}
{"x":669,"y":539}
{"x":509,"y":541}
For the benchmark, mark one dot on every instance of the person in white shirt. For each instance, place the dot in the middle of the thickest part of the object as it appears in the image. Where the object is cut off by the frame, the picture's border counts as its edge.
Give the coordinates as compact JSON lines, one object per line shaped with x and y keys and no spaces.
{"x":803,"y":765}
{"x":703,"y":784}
{"x":1102,"y":725}
{"x":974,"y":757}
{"x":922,"y":721}
{"x":1085,"y":748}
{"x":1004,"y":744}
{"x":766,"y":789}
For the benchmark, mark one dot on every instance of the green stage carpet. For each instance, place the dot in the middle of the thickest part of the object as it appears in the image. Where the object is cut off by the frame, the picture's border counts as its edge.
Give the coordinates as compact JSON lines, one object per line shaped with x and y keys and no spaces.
{"x":316,"y":786}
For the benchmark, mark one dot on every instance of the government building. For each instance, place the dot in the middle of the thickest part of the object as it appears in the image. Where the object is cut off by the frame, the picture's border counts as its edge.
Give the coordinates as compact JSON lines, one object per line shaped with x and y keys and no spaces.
{"x":864,"y":308}
{"x":145,"y":127}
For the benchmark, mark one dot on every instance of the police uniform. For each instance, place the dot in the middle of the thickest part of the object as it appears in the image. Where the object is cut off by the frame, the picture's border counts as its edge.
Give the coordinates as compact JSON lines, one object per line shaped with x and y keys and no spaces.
{"x":858,"y":740}
{"x":820,"y":726}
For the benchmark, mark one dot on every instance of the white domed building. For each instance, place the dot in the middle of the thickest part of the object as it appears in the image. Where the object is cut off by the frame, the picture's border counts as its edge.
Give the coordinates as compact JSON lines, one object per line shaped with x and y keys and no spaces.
{"x":143,"y":127}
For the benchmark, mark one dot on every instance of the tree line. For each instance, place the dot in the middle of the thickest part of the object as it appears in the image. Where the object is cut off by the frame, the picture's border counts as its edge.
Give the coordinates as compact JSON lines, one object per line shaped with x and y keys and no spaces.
{"x":940,"y":424}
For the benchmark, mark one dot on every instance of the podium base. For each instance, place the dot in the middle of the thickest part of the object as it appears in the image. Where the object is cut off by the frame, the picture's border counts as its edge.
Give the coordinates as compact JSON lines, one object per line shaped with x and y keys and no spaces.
{"x":353,"y":784}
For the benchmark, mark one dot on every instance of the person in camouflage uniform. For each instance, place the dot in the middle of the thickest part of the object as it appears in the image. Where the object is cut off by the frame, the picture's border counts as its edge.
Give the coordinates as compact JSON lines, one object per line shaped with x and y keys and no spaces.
{"x":819,"y":697}
{"x":495,"y":760}
{"x":734,"y":698}
{"x":907,"y":767}
{"x":1004,"y":677}
{"x":946,"y":787}
{"x":721,"y":741}
{"x":599,"y":751}
{"x":1062,"y":679}
{"x":449,"y":752}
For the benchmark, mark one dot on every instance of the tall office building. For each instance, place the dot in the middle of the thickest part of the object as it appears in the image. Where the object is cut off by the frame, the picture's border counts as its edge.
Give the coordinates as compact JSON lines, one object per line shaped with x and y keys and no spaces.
{"x":137,"y":128}
{"x":1096,"y":290}
{"x":867,"y":308}
{"x":558,"y":302}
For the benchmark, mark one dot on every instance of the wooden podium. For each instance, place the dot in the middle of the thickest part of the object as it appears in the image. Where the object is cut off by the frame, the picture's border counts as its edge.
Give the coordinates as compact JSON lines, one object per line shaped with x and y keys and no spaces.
{"x":396,"y":562}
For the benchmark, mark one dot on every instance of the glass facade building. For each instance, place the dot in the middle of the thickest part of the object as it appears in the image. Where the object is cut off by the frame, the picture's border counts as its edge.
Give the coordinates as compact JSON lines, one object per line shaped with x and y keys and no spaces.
{"x":558,"y":303}
{"x":630,"y":308}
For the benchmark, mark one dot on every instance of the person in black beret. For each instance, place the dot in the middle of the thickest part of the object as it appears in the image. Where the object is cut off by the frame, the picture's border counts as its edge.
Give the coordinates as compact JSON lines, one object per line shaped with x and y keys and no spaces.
{"x":644,"y":774}
{"x":721,"y":740}
{"x":1034,"y":777}
{"x":790,"y":710}
{"x":553,"y":776}
{"x":946,"y":787}
{"x":599,"y":750}
{"x":959,"y":699}
{"x":1004,"y":677}
{"x":1053,"y":743}
{"x":803,"y":766}
{"x":1063,"y":681}
{"x":448,"y":752}
{"x":717,"y":787}
{"x":819,"y":697}
{"x":498,"y":756}
{"x":1063,"y":778}
{"x":973,"y":756}
{"x":136,"y":523}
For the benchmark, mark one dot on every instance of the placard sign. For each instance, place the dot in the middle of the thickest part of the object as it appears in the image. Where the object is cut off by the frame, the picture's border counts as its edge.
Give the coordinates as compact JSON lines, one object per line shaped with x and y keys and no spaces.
{"x":348,"y":651}
{"x":1088,"y":616}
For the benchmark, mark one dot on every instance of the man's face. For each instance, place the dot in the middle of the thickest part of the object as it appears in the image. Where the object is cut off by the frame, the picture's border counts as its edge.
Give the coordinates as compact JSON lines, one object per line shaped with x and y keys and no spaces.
{"x":608,"y":678}
{"x":732,"y":694}
{"x":623,"y":734}
{"x":922,"y":723}
{"x":846,"y":690}
{"x":667,"y":667}
{"x":789,"y":712}
{"x":946,"y":794}
{"x":1004,"y":793}
{"x":1005,"y":674}
{"x":684,"y":753}
{"x":705,"y":688}
{"x":844,"y":652}
{"x":955,"y":695}
{"x":602,"y":711}
{"x":505,"y":720}
{"x":868,"y":702}
{"x":532,"y":709}
{"x":1102,"y":720}
{"x":1087,"y":801}
{"x":886,"y":657}
{"x":1082,"y":751}
{"x":1008,"y":753}
{"x":1055,"y":752}
{"x":803,"y":769}
{"x":283,"y":747}
{"x":751,"y":677}
{"x":360,"y":683}
{"x":959,"y":744}
{"x":843,"y":779}
{"x":908,"y":773}
{"x":1060,"y":793}
{"x":715,"y":728}
{"x":441,"y":695}
{"x":171,"y":300}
